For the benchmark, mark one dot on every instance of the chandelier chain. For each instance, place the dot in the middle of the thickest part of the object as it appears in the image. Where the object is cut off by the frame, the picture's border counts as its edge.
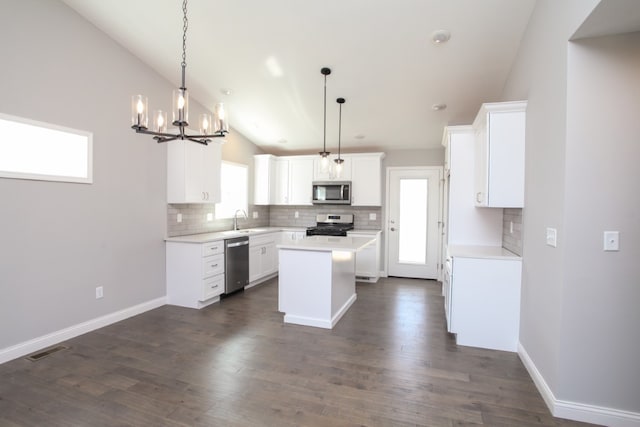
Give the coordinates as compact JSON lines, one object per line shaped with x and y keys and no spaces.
{"x":185,"y":25}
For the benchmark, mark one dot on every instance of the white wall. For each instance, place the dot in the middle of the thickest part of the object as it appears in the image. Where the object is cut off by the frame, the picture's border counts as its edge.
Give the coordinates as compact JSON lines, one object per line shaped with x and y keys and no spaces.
{"x":574,"y":316}
{"x":60,"y":240}
{"x":600,"y":345}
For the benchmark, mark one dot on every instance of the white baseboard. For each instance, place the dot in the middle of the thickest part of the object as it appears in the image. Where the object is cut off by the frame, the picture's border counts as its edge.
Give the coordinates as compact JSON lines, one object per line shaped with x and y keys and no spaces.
{"x":574,"y":410}
{"x":28,"y":347}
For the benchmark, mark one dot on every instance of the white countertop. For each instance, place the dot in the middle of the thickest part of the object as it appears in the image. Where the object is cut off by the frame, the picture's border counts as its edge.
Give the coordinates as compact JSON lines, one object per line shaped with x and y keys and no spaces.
{"x":229,"y":234}
{"x":367,"y":232}
{"x":491,"y":252}
{"x":328,"y":243}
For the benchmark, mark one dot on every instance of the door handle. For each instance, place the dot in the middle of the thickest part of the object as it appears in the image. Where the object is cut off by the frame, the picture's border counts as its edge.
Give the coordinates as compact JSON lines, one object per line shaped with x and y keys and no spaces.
{"x":392,"y":229}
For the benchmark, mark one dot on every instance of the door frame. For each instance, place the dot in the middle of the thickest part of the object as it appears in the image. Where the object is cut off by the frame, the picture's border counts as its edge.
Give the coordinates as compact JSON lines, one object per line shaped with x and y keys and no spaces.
{"x":385,"y":219}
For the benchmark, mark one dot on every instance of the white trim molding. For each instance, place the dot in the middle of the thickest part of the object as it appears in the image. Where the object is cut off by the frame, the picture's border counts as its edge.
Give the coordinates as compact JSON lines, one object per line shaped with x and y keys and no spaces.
{"x":575,"y":410}
{"x":39,"y":343}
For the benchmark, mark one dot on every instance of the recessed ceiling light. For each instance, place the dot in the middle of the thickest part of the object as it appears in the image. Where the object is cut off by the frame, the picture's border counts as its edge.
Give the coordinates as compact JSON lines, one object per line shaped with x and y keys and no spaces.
{"x":440,"y":37}
{"x":281,"y":141}
{"x":439,"y":107}
{"x":360,"y":136}
{"x":225,"y":91}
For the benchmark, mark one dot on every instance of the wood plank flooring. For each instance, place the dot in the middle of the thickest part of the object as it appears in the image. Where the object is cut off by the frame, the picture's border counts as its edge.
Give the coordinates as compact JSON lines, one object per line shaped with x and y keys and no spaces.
{"x":388,"y":362}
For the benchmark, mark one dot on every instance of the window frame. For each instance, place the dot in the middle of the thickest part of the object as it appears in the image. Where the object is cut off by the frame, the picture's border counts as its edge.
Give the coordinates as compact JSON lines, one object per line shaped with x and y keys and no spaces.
{"x":14,"y":174}
{"x":223,"y":215}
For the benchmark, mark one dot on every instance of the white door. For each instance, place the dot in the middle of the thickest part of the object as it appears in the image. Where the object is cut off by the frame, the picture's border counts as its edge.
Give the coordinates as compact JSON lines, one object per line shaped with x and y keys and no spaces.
{"x":413,"y":221}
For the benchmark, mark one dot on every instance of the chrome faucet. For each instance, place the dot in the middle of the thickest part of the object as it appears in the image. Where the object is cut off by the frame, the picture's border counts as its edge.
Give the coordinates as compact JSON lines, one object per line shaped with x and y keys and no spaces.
{"x":235,"y":217}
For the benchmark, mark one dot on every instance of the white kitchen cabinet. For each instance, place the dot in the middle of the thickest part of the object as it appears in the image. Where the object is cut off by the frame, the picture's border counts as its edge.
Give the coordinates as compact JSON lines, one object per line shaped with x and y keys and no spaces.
{"x":300,"y":180}
{"x":331,"y":174}
{"x":263,"y":260}
{"x":368,"y":259}
{"x":482,"y":297}
{"x":195,"y":273}
{"x":366,"y":179}
{"x":264,"y":179}
{"x":465,"y":224}
{"x":193,"y":172}
{"x":499,"y":166}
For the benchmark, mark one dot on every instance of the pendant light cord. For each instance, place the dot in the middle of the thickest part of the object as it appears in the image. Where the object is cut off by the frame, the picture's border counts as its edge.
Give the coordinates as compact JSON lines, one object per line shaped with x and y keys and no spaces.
{"x":339,"y":127}
{"x":324,"y":143}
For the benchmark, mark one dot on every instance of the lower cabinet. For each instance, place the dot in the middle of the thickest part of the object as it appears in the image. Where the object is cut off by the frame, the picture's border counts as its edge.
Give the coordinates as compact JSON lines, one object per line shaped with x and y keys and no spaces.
{"x":482,"y":301}
{"x":263,"y":257}
{"x":368,"y":259}
{"x":195,"y":273}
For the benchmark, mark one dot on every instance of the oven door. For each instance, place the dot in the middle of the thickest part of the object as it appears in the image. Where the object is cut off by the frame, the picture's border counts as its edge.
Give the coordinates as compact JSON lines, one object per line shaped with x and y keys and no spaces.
{"x":332,"y":193}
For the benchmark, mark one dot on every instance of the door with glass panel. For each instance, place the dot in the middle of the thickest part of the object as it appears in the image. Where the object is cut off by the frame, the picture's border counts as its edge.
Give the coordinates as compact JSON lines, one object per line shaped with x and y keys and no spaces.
{"x":413,"y":221}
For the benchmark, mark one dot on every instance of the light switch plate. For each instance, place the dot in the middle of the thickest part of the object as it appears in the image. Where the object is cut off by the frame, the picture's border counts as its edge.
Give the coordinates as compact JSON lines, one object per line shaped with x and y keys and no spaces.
{"x":255,"y":215}
{"x":611,"y":241}
{"x":372,"y":216}
{"x":296,"y":214}
{"x":179,"y":217}
{"x":552,"y":237}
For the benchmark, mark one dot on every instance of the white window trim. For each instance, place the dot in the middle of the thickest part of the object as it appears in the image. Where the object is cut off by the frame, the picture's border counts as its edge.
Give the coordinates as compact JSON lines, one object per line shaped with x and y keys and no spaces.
{"x":246,"y":207}
{"x":88,"y":179}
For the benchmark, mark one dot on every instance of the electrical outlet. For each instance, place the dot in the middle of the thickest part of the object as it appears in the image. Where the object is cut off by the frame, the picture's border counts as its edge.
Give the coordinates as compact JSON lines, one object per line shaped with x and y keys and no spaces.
{"x":209,"y":216}
{"x":611,"y":241}
{"x":372,"y":216}
{"x":99,"y":292}
{"x":179,"y":217}
{"x":510,"y":227}
{"x":296,"y":214}
{"x":255,"y":215}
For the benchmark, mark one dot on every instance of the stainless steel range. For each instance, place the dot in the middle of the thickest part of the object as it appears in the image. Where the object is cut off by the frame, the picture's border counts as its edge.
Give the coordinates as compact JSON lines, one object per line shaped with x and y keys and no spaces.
{"x":331,"y":225}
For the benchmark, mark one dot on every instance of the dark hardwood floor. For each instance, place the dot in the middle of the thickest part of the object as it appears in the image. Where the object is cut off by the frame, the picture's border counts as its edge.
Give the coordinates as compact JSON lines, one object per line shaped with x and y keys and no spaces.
{"x":388,"y":362}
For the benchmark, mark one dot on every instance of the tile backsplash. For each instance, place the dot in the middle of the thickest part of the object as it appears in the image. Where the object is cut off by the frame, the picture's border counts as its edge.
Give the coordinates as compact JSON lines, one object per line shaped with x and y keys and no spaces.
{"x":194,"y":219}
{"x":283,"y":216}
{"x":512,"y":240}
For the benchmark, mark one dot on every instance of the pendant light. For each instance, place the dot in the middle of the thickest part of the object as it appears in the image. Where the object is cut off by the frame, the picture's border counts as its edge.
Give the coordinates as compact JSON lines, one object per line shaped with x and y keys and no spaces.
{"x":324,"y":154}
{"x":216,"y":128}
{"x":339,"y":161}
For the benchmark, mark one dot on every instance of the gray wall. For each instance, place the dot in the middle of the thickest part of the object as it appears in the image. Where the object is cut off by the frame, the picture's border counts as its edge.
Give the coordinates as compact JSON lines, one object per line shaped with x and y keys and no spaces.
{"x":61,"y":240}
{"x":600,"y":290}
{"x":574,"y":315}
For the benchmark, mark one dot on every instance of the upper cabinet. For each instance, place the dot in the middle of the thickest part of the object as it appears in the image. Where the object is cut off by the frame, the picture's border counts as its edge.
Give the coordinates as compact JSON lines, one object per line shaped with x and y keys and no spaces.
{"x":499,"y":163}
{"x":366,"y":179}
{"x":331,"y":174}
{"x":288,"y":180}
{"x":282,"y":180}
{"x":193,"y":172}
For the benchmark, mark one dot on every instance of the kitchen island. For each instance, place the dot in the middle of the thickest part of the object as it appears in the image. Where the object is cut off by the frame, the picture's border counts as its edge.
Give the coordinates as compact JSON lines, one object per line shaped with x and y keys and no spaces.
{"x":317,"y":282}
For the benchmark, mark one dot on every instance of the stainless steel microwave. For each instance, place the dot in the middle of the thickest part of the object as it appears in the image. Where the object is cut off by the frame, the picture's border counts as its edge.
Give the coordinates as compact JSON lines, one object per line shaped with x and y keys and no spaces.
{"x":331,"y":192}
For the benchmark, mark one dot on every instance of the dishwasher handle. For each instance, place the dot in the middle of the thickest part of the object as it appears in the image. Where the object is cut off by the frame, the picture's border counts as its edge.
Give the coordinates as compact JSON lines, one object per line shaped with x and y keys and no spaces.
{"x":236,"y":244}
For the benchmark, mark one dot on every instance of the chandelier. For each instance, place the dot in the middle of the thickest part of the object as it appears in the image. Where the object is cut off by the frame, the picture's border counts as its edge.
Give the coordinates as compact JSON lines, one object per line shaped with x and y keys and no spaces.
{"x":209,"y":128}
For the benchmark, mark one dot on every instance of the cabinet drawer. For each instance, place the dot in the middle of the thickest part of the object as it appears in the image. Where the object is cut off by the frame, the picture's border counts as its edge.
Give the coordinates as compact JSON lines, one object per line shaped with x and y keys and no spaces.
{"x":263,"y":239}
{"x":212,"y":265}
{"x":213,"y":248}
{"x":212,"y":287}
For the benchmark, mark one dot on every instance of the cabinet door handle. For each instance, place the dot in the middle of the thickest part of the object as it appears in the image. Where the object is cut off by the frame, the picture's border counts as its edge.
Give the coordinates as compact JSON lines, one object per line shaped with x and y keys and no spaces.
{"x":213,"y":287}
{"x":214,"y":248}
{"x":479,"y":197}
{"x":214,"y":265}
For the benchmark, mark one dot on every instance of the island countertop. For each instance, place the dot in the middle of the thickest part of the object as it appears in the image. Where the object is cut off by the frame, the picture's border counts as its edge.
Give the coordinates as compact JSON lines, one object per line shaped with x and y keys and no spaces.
{"x":328,"y":243}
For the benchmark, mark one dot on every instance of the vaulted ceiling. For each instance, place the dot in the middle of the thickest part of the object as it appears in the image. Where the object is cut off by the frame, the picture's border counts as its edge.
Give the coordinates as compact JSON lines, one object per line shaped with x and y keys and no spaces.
{"x":268,"y":55}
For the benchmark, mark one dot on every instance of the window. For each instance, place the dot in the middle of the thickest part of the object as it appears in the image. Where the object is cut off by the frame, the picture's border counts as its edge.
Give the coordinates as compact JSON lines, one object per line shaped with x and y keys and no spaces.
{"x":234,"y":190}
{"x":43,"y":151}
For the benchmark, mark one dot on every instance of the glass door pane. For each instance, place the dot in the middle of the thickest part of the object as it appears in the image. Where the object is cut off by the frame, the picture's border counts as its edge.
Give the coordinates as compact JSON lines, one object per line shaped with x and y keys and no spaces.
{"x":412,"y":245}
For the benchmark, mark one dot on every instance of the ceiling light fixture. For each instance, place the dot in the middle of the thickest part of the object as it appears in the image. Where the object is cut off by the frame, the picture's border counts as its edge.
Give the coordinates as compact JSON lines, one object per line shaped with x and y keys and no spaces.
{"x":439,"y":107}
{"x":324,"y":154}
{"x":339,"y":161}
{"x":440,"y":37}
{"x":217,"y":128}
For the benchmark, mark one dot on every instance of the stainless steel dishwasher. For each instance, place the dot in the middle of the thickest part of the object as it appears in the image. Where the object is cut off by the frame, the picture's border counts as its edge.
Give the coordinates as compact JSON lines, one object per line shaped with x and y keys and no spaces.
{"x":236,"y":260}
